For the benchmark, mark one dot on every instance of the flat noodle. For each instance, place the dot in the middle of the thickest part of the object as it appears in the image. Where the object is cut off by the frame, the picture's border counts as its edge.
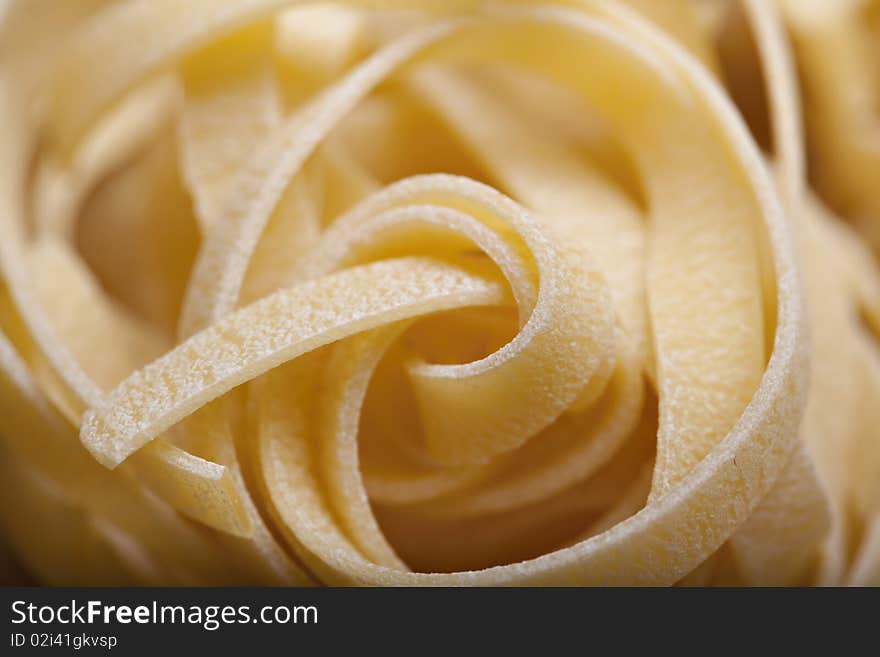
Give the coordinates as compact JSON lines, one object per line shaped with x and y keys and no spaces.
{"x":835,"y":46}
{"x":231,"y":105}
{"x":467,"y":294}
{"x":40,"y":437}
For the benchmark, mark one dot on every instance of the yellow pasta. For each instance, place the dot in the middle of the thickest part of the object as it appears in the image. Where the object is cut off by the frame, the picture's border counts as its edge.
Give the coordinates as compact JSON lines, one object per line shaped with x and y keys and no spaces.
{"x":440,"y":293}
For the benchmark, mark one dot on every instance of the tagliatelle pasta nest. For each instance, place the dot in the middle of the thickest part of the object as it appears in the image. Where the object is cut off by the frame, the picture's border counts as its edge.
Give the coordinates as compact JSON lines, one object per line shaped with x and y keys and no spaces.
{"x":440,"y":293}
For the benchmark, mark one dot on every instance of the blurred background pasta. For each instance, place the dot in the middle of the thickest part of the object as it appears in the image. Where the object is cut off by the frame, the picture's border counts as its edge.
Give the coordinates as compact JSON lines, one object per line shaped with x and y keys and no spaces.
{"x":580,"y":292}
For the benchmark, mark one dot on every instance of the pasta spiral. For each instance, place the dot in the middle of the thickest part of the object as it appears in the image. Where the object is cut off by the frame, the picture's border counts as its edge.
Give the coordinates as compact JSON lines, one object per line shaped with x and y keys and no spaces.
{"x":439,"y":293}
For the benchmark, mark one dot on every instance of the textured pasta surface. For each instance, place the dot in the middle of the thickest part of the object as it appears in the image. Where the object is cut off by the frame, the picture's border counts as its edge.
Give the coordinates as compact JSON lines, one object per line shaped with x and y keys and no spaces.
{"x":581,"y":292}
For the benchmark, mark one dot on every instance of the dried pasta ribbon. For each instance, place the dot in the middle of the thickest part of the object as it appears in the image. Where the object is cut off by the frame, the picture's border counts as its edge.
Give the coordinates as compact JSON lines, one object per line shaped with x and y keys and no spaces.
{"x":836,"y":49}
{"x":835,"y":302}
{"x":438,"y":293}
